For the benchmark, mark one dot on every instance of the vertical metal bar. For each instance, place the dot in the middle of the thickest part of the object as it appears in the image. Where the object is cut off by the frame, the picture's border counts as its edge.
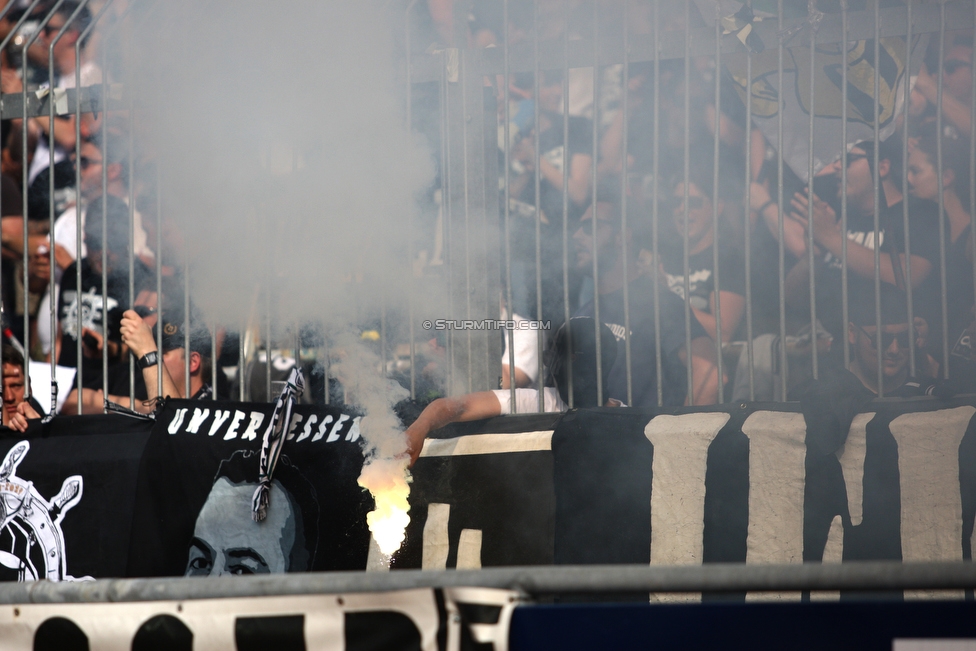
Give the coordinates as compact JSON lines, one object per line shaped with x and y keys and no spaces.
{"x":214,"y":356}
{"x":623,"y":200}
{"x":465,"y":133}
{"x":942,"y":220}
{"x":240,"y":366}
{"x":748,"y":228}
{"x":448,"y":212}
{"x":655,"y":209}
{"x":593,"y":193}
{"x":972,"y":159}
{"x":811,"y":260}
{"x":132,"y":245}
{"x":715,"y":200}
{"x":187,"y":319}
{"x":877,"y":196}
{"x":52,"y":293}
{"x":844,"y":299}
{"x":904,"y":184}
{"x":508,"y":213}
{"x":410,"y":225}
{"x":160,"y":318}
{"x":567,"y":315}
{"x":105,"y":165}
{"x":26,"y":173}
{"x":537,"y":84}
{"x":780,"y":202}
{"x":684,"y":234}
{"x":13,"y":31}
{"x":267,"y":329}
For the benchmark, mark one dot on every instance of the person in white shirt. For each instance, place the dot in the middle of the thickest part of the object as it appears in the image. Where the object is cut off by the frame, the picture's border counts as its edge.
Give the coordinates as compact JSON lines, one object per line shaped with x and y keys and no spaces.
{"x":571,"y":364}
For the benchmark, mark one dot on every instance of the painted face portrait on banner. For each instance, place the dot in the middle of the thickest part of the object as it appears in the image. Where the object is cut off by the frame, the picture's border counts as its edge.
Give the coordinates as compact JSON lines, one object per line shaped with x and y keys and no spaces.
{"x":227,"y":541}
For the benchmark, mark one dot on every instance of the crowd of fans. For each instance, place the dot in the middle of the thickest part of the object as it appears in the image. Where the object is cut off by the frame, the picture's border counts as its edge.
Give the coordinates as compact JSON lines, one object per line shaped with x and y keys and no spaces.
{"x":605,"y":256}
{"x":610,"y":266}
{"x":90,"y":325}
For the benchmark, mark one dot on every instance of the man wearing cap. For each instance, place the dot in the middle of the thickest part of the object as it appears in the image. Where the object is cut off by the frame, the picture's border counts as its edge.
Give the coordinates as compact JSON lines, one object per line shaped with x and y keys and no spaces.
{"x":137,"y":335}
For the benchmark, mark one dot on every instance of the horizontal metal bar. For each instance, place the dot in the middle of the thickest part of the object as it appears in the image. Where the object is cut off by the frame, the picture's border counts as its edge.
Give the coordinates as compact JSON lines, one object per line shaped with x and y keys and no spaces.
{"x":12,"y":104}
{"x":717,"y":577}
{"x":579,"y":54}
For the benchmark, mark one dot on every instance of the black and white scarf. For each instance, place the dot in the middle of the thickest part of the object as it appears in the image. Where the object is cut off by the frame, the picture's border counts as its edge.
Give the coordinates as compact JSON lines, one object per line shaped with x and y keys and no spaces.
{"x":273,"y":440}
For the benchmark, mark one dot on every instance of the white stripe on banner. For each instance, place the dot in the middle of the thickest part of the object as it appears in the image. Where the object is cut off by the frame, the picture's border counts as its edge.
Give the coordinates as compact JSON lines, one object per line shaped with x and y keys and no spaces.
{"x":851,"y":456}
{"x":776,"y":481}
{"x":488,"y":444}
{"x":931,"y":506}
{"x":678,"y":489}
{"x":833,"y":553}
{"x":437,"y":544}
{"x":469,"y":550}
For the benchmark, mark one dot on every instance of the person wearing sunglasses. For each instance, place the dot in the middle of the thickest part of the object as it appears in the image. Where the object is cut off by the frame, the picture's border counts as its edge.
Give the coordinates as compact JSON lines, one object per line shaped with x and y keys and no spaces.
{"x":697,"y":217}
{"x":957,"y":87}
{"x":896,"y":337}
{"x":860,"y":236}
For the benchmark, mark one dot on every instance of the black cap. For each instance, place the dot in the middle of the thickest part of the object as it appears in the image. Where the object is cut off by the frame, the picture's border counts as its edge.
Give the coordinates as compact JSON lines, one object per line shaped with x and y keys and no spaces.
{"x":174,"y":336}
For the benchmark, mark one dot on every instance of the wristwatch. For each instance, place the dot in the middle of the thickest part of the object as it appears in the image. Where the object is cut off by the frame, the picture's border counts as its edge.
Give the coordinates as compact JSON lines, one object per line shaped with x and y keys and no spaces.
{"x":148,"y":360}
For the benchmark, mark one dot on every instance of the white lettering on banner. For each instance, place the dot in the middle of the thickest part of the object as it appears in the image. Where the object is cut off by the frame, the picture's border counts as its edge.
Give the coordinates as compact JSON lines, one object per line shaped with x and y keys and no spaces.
{"x":833,"y":553}
{"x":312,"y":419}
{"x":353,"y":434}
{"x":678,"y":490}
{"x":219,"y":418}
{"x":322,"y":428}
{"x":437,"y":545}
{"x":174,"y":425}
{"x":678,"y":484}
{"x":334,"y":433}
{"x":198,"y":418}
{"x":251,"y":432}
{"x":931,"y":506}
{"x":851,"y":456}
{"x":469,"y":550}
{"x":777,"y":452}
{"x":296,"y":420}
{"x":231,"y":432}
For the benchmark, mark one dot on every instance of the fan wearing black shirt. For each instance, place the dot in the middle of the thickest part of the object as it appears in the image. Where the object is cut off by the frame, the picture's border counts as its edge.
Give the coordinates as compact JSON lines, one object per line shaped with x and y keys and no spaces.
{"x":601,"y":234}
{"x":861,"y":240}
{"x":97,"y":310}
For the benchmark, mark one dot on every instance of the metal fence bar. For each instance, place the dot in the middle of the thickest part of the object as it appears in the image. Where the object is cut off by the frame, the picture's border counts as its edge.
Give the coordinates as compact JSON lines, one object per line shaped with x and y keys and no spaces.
{"x":537,"y":177}
{"x":597,"y":322}
{"x":655,"y":209}
{"x":26,"y":177}
{"x":3,"y":13}
{"x":624,"y":191}
{"x":686,"y":267}
{"x":748,"y":230}
{"x":845,"y":306}
{"x":411,"y":316}
{"x":160,"y":316}
{"x":941,"y":197}
{"x":566,"y":311}
{"x":905,"y":216}
{"x":874,"y":576}
{"x":876,"y":179}
{"x":105,"y":164}
{"x":509,"y":306}
{"x":53,"y":302}
{"x":715,"y":199}
{"x":811,"y":245}
{"x":972,"y":162}
{"x":780,"y":206}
